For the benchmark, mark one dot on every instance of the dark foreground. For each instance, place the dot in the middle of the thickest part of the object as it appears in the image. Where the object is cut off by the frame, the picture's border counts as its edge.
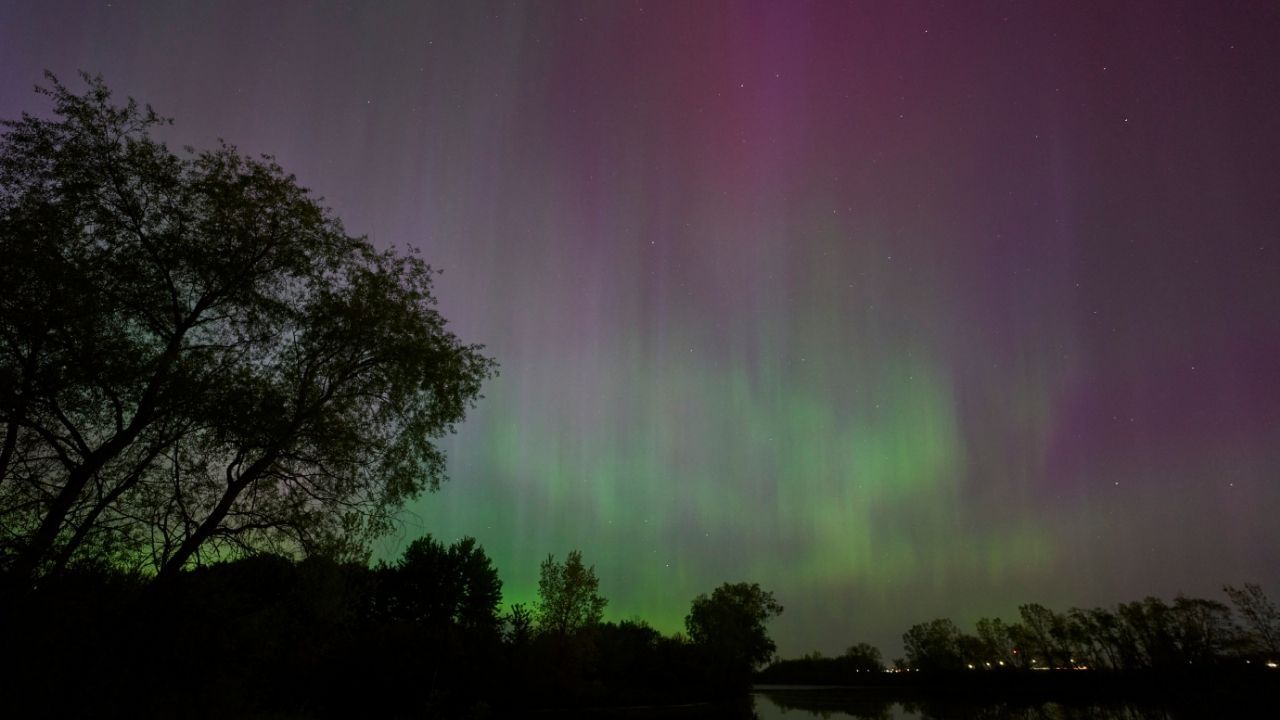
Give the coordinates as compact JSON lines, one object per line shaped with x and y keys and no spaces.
{"x":266,"y":637}
{"x":1154,"y":698}
{"x":1022,"y":696}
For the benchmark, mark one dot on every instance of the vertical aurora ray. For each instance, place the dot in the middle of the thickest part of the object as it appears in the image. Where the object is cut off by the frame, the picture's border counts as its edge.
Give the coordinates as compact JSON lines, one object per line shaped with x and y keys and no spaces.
{"x":902,"y":311}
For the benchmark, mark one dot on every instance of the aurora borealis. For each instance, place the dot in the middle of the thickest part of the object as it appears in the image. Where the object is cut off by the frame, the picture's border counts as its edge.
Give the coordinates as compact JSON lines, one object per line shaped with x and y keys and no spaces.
{"x":902,"y":310}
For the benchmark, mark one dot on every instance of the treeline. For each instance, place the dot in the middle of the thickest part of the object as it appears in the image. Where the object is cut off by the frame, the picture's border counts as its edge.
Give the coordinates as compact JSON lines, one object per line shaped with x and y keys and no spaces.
{"x":425,"y":636}
{"x":1149,"y":635}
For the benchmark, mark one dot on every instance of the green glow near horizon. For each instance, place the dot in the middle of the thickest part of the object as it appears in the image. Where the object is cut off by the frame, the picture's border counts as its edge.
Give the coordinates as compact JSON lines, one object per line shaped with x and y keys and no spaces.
{"x":898,"y":324}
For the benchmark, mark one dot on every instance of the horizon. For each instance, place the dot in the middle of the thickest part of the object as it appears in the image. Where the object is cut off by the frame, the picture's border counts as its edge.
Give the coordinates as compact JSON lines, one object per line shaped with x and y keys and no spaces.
{"x":902,"y":313}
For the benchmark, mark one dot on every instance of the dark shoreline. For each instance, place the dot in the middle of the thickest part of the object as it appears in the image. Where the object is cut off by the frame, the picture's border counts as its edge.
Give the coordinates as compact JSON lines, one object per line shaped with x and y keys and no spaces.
{"x":1214,"y":693}
{"x":1122,"y":685}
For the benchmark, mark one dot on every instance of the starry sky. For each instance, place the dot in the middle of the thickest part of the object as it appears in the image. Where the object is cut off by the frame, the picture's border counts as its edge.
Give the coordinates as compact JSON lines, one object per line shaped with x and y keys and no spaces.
{"x":900,"y":309}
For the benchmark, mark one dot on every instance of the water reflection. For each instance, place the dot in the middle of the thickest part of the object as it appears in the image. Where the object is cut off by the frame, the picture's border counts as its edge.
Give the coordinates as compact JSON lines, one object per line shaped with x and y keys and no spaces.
{"x":836,"y":704}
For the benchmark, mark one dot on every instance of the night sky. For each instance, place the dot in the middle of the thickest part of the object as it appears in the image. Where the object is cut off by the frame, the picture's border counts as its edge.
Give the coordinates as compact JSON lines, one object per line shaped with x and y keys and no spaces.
{"x":900,"y":309}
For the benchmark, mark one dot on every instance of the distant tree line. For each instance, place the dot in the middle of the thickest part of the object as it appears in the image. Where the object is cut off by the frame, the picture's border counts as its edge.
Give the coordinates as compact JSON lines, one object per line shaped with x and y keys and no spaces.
{"x":1145,"y":635}
{"x":1148,"y":634}
{"x":423,"y":636}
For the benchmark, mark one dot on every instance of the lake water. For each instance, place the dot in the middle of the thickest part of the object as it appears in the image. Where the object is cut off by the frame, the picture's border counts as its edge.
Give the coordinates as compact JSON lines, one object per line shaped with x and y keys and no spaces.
{"x":843,"y":704}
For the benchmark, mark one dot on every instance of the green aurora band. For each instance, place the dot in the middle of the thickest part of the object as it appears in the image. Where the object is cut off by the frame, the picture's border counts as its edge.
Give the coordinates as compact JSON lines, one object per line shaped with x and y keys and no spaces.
{"x":902,"y":310}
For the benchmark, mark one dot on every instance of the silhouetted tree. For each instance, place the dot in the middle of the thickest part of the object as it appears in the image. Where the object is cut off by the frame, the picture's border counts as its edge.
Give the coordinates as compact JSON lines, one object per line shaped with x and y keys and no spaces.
{"x":1203,"y":630}
{"x":439,"y":586}
{"x":627,"y":659}
{"x":729,"y":626}
{"x":197,"y":360}
{"x":519,"y":625}
{"x":434,"y":616}
{"x":1044,"y":635}
{"x":863,"y":657}
{"x":973,"y":652}
{"x":1099,"y":637}
{"x":568,"y":596}
{"x":1261,"y":617}
{"x":996,"y":645}
{"x":933,"y":646}
{"x":1150,"y":634}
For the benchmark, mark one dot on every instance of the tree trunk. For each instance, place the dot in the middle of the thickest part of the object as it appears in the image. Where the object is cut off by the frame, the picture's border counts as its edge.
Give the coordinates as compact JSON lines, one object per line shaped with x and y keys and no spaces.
{"x":210,"y":524}
{"x":86,"y":526}
{"x":7,"y":450}
{"x":30,"y":558}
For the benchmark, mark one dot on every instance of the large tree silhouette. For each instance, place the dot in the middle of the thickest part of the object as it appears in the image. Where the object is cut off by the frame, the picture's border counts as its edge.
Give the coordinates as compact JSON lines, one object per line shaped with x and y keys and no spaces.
{"x":1260,"y":615}
{"x":438,"y":586}
{"x":569,"y":596}
{"x":195,"y":358}
{"x":729,"y":626}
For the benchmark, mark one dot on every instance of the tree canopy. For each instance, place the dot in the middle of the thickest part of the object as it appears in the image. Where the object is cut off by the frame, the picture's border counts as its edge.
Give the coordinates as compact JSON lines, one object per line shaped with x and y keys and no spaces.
{"x":864,"y":657}
{"x":196,"y":359}
{"x":730,"y":626}
{"x":933,"y":645}
{"x":1260,"y":614}
{"x":568,"y":596}
{"x":437,"y":586}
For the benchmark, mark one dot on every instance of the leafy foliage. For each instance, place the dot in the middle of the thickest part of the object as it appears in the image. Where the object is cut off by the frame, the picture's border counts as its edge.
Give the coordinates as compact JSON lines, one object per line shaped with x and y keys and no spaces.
{"x":438,"y":586}
{"x":730,"y":625}
{"x":196,"y":360}
{"x":864,"y":657}
{"x":933,"y":646}
{"x":569,"y":597}
{"x":1260,"y":615}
